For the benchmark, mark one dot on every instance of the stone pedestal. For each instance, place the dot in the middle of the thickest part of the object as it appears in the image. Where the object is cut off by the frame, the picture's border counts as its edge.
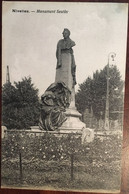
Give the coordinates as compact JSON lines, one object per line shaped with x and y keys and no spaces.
{"x":73,"y":122}
{"x":63,"y":74}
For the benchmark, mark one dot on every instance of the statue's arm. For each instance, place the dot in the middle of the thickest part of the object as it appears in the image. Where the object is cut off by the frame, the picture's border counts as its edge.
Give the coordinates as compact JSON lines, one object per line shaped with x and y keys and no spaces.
{"x":58,"y":50}
{"x":72,"y":43}
{"x":58,"y":55}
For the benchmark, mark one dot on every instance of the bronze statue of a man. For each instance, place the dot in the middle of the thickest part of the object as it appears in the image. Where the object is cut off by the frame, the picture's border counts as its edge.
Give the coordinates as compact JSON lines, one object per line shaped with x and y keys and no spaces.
{"x":65,"y":46}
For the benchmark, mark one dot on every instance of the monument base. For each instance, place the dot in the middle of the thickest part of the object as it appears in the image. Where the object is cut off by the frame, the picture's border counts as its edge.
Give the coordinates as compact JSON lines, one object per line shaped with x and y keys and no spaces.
{"x":73,"y":124}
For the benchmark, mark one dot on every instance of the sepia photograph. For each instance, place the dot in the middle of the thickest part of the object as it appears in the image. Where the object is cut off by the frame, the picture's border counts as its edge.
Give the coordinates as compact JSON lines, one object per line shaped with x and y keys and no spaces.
{"x":63,"y":89}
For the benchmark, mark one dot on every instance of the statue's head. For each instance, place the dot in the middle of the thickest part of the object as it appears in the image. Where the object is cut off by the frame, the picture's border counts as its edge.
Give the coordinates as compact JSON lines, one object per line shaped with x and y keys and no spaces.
{"x":66,"y":33}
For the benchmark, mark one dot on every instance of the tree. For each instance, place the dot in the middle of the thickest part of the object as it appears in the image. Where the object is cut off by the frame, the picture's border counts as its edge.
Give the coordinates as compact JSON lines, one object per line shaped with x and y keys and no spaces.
{"x":92,"y":93}
{"x":20,"y":104}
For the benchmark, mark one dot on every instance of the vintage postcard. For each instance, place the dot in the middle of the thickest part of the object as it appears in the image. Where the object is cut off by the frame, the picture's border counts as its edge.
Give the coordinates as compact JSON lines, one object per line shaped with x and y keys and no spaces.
{"x":63,"y":79}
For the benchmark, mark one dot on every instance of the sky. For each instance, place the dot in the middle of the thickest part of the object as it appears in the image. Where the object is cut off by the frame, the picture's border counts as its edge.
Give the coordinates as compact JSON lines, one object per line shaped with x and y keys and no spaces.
{"x":29,"y":40}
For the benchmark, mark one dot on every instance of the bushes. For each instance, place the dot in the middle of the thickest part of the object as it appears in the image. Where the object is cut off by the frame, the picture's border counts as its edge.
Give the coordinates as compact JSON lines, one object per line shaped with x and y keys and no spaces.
{"x":51,"y":147}
{"x":47,"y":147}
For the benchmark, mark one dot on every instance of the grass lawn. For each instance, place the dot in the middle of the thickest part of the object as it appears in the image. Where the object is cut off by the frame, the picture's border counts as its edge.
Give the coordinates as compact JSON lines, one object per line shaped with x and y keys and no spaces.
{"x":58,"y":175}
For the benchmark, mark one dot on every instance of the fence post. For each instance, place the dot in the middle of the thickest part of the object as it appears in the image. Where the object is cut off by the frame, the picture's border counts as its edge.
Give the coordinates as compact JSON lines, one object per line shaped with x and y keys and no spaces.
{"x":20,"y":164}
{"x":72,"y":158}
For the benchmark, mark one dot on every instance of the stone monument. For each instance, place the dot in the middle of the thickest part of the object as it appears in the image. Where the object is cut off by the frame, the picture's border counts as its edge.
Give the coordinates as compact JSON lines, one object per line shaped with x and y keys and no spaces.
{"x":66,"y":72}
{"x":58,"y":110}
